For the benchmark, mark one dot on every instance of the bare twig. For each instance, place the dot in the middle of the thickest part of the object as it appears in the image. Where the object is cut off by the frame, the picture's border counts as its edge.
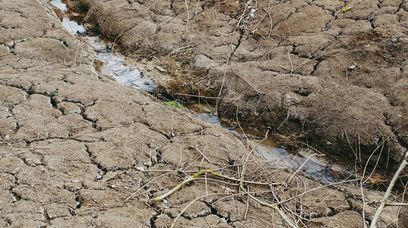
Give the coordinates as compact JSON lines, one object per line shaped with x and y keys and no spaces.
{"x":388,"y":193}
{"x":139,"y":189}
{"x":396,"y":204}
{"x":300,"y":167}
{"x":273,"y":206}
{"x":185,"y":208}
{"x":196,"y":175}
{"x":188,"y":14}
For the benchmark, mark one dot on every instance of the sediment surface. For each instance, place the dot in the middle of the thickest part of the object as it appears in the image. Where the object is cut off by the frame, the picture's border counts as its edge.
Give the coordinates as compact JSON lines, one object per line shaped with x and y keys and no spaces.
{"x":334,"y":72}
{"x":79,"y":150}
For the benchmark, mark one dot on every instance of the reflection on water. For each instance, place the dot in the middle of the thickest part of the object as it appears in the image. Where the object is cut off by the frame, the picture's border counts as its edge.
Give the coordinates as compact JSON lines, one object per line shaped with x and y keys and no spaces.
{"x":60,"y":5}
{"x":73,"y":27}
{"x":205,"y":112}
{"x":307,"y":164}
{"x":210,"y":118}
{"x":279,"y":157}
{"x":113,"y":63}
{"x":114,"y":66}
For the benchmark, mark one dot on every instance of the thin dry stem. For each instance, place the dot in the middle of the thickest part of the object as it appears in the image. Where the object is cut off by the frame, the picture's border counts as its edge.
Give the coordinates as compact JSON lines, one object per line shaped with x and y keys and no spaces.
{"x":388,"y":193}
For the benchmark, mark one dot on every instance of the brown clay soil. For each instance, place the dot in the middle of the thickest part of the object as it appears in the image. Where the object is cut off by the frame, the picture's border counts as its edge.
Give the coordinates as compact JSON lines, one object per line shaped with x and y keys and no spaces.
{"x":74,"y":145}
{"x":330,"y":72}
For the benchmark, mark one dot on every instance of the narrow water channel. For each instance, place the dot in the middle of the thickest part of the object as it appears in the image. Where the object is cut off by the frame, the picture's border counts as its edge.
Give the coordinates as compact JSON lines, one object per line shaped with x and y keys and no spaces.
{"x":113,"y":63}
{"x":114,"y":66}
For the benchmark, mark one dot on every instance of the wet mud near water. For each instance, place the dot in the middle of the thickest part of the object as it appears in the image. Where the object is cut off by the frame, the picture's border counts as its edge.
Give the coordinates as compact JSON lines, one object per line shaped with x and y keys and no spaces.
{"x":113,"y":64}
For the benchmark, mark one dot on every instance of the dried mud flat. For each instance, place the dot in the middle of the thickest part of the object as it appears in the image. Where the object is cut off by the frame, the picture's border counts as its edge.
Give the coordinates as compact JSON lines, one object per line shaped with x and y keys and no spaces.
{"x":79,"y":150}
{"x":333,"y":72}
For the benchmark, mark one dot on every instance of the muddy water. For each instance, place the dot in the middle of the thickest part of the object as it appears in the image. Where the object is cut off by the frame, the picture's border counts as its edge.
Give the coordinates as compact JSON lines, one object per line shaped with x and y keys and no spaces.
{"x":114,"y":65}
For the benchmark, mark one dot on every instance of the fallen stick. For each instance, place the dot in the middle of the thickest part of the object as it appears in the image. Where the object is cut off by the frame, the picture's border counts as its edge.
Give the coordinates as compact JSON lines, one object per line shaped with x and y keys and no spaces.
{"x":388,"y":192}
{"x":396,"y":205}
{"x":179,"y":186}
{"x":200,"y":173}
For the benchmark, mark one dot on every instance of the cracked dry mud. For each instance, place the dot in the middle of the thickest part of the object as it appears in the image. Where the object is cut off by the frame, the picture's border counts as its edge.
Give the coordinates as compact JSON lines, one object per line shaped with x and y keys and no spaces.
{"x":75,"y":145}
{"x":333,"y":71}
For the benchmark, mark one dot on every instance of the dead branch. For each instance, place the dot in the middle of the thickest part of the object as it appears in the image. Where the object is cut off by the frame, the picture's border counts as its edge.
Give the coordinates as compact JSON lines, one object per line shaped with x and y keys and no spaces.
{"x":387,"y":194}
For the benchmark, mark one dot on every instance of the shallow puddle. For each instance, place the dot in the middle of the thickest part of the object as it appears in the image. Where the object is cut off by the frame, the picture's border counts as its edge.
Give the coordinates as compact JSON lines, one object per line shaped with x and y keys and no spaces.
{"x":72,"y":26}
{"x":209,"y":118}
{"x":114,"y":66}
{"x":60,"y":5}
{"x":311,"y":164}
{"x":205,"y":113}
{"x":113,"y":63}
{"x":307,"y":164}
